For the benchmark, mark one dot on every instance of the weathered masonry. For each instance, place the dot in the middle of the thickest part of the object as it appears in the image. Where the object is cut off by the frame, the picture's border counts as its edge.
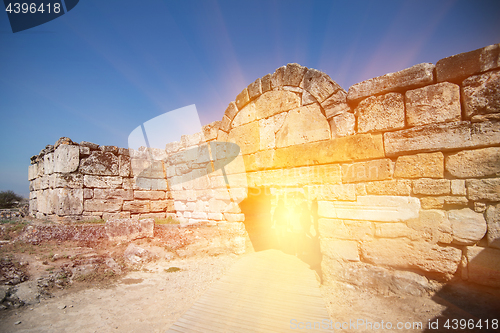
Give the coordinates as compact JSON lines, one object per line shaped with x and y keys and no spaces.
{"x":404,"y":168}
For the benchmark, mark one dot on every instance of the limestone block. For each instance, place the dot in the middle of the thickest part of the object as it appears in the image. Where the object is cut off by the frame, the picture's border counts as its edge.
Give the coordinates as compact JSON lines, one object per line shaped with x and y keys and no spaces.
{"x":345,"y":229}
{"x":355,"y":147}
{"x":436,"y":103}
{"x":173,"y":147}
{"x":367,"y":171}
{"x":481,"y":94}
{"x":485,"y":117}
{"x":150,"y":195}
{"x":340,"y":249}
{"x":48,"y":162}
{"x":210,"y":130}
{"x":389,"y":187}
{"x":274,"y":102}
{"x":92,"y":146}
{"x":258,"y":161}
{"x":293,"y":75}
{"x":70,"y":201}
{"x":124,"y":230}
{"x":431,"y":226}
{"x":483,"y":189}
{"x":460,"y":66}
{"x":102,"y":181}
{"x":493,"y":221}
{"x":413,"y":77}
{"x":192,"y":139}
{"x":244,"y":116}
{"x":102,"y":193}
{"x":255,"y":89}
{"x":336,"y":104}
{"x":100,"y":163}
{"x":443,"y":137}
{"x":242,"y":99}
{"x":468,"y":227}
{"x":392,"y":230}
{"x":70,"y":180}
{"x":199,"y":215}
{"x":266,"y":83}
{"x":124,"y":166}
{"x":112,"y":216}
{"x":458,"y":187}
{"x":320,"y":85}
{"x":474,"y":163}
{"x":88,"y":193}
{"x":137,"y":206}
{"x":372,"y":208}
{"x":328,"y":192}
{"x":247,"y":137}
{"x":381,"y":113}
{"x":483,"y":266}
{"x":342,"y":125}
{"x":84,"y":151}
{"x":317,"y":174}
{"x":180,"y":206}
{"x":420,"y":165}
{"x":428,"y":186}
{"x":66,"y":158}
{"x":103,"y":205}
{"x":158,"y":206}
{"x":404,"y":254}
{"x":441,"y":201}
{"x":225,"y":124}
{"x":277,"y":78}
{"x":268,"y":128}
{"x":215,"y":216}
{"x":32,"y":171}
{"x":40,"y":168}
{"x":230,"y":217}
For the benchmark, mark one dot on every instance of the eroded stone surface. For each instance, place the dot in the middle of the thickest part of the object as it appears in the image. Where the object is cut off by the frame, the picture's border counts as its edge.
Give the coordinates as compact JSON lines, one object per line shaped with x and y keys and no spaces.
{"x":420,"y":165}
{"x":468,"y":227}
{"x":381,"y":113}
{"x":481,"y":94}
{"x":493,"y":221}
{"x":474,"y":163}
{"x":483,"y":265}
{"x":433,"y":104}
{"x":120,"y":230}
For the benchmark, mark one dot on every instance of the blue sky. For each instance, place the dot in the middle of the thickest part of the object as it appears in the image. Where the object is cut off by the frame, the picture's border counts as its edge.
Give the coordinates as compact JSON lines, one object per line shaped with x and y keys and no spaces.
{"x":106,"y":67}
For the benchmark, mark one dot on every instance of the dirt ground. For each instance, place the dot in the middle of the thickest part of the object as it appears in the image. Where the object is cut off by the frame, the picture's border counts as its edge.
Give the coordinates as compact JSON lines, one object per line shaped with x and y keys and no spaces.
{"x":152,"y":296}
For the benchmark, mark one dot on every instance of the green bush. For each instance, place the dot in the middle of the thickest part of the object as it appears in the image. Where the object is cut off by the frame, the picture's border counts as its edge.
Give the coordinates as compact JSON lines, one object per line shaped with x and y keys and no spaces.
{"x":9,"y":199}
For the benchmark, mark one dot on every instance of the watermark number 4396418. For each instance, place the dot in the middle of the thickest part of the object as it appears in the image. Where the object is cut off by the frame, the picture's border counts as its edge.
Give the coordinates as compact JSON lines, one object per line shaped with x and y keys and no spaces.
{"x":26,"y":15}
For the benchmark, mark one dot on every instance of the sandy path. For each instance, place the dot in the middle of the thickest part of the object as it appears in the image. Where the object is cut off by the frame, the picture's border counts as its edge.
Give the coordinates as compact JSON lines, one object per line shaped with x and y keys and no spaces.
{"x":141,"y":302}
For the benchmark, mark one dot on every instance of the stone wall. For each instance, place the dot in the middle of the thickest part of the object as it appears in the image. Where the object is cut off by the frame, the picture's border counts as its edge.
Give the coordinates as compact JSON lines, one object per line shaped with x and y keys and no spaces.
{"x":405,"y":169}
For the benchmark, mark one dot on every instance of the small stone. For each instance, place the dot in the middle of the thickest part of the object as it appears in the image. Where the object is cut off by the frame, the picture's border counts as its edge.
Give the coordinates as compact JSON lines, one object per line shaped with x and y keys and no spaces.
{"x":468,"y":227}
{"x":17,"y":322}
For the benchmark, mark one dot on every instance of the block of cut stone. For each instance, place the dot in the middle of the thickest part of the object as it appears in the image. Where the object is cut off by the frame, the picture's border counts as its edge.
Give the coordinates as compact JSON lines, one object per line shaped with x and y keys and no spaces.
{"x":255,"y":89}
{"x":381,"y":113}
{"x":100,"y":163}
{"x":103,"y":205}
{"x":293,"y":75}
{"x":468,"y":227}
{"x":342,"y":125}
{"x":303,"y":125}
{"x":493,"y":221}
{"x":69,"y":201}
{"x":443,"y":137}
{"x":367,"y":171}
{"x":420,"y":165}
{"x":483,"y":265}
{"x":481,"y":94}
{"x":336,"y":104}
{"x":458,"y":67}
{"x":242,"y":99}
{"x":66,"y":158}
{"x":120,"y":230}
{"x":319,"y":85}
{"x":410,"y":78}
{"x":436,"y":103}
{"x":428,"y":186}
{"x":483,"y":189}
{"x":372,"y":208}
{"x":474,"y":163}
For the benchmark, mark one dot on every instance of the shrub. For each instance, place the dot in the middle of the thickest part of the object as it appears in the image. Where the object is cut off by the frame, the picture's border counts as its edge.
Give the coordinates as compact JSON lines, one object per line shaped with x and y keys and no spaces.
{"x":9,"y":199}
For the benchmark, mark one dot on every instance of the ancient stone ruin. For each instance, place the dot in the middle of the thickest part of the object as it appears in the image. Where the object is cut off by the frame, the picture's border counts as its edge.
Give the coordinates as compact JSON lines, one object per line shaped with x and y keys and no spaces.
{"x":400,"y":174}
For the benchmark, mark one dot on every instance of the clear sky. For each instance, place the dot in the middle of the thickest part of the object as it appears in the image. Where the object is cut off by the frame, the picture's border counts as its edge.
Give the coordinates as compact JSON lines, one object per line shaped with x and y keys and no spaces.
{"x":107,"y":66}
